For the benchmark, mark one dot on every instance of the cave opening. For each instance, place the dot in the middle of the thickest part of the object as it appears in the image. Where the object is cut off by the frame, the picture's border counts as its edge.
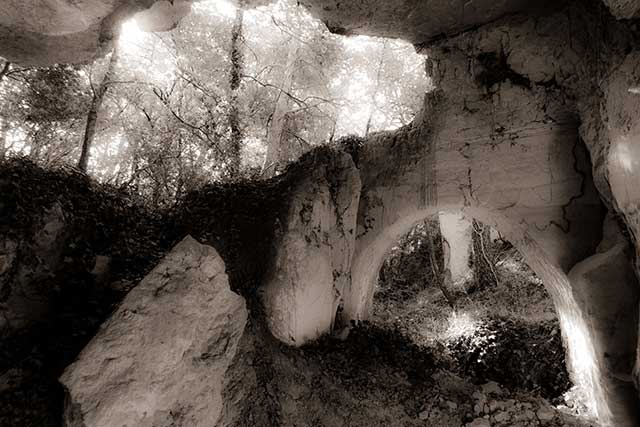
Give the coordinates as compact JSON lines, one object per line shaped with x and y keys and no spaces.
{"x":487,"y":321}
{"x":320,"y":188}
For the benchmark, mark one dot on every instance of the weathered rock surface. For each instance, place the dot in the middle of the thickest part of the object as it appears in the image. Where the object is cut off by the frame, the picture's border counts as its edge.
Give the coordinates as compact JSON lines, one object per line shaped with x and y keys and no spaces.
{"x":161,"y":359}
{"x":621,"y":156}
{"x":606,"y":288}
{"x":415,"y":21}
{"x":60,"y":31}
{"x":312,"y":265}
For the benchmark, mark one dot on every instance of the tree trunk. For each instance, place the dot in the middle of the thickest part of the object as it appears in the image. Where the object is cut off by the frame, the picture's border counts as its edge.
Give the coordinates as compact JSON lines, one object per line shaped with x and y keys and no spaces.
{"x":5,"y":69}
{"x":96,"y":104}
{"x":3,"y":139}
{"x":278,"y":129}
{"x":484,"y":270}
{"x":3,"y":128}
{"x":373,"y":108}
{"x":440,"y":274}
{"x":237,"y":64}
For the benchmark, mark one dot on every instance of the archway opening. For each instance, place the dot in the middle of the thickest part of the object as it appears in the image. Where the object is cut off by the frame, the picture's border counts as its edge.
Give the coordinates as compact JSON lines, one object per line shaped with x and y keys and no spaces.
{"x":492,"y":325}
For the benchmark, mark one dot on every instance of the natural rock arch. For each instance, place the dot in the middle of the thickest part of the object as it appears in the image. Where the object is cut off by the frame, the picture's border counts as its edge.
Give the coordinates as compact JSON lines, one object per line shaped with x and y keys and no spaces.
{"x":609,"y":405}
{"x":451,"y":159}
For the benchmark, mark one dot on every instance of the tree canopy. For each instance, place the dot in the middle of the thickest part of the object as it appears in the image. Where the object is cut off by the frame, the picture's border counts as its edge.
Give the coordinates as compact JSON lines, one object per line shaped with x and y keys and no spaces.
{"x":226,"y":95}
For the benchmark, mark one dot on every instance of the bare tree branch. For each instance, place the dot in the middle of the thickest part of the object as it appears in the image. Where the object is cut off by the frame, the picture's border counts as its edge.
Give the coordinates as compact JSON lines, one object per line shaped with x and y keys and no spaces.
{"x":5,"y":70}
{"x":295,"y":99}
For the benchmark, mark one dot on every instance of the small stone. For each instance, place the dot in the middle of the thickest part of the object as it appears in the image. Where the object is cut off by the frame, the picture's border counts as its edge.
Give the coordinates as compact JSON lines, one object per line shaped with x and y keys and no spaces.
{"x":452,"y":405}
{"x":501,"y":417}
{"x":545,"y":414}
{"x":495,"y":405}
{"x":11,"y":379}
{"x":423,"y":415}
{"x":479,"y":422}
{"x":478,"y":409}
{"x":491,"y":387}
{"x":479,"y":396}
{"x":121,"y":286}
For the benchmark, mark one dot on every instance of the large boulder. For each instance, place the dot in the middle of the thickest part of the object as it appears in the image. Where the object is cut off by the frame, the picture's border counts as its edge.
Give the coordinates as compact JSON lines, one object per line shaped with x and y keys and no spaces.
{"x":312,"y":265}
{"x":163,"y":356}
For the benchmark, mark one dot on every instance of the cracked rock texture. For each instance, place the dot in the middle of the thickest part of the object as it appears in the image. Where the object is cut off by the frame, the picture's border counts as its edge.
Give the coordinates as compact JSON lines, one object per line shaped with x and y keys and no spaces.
{"x":421,"y":21}
{"x":620,"y":111}
{"x":311,"y":268}
{"x":163,"y":356}
{"x":607,"y":291}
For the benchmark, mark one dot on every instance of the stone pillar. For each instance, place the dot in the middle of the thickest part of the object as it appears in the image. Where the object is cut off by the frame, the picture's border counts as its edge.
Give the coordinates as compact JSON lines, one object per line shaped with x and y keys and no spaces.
{"x":457,"y":235}
{"x":605,"y":287}
{"x":312,"y":267}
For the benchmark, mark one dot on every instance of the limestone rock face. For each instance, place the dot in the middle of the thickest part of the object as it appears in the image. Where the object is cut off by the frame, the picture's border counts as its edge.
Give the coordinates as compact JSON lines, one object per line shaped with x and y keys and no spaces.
{"x":606,"y":288}
{"x":312,"y":265}
{"x":415,"y":21}
{"x":161,"y":359}
{"x":622,"y":156}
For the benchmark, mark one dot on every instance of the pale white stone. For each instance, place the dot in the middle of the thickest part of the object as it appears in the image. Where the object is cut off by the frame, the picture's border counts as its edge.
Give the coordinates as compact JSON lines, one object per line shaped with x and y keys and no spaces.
{"x":163,"y":355}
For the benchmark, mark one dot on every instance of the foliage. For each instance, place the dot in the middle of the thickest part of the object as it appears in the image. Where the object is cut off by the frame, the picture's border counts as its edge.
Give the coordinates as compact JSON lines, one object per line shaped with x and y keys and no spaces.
{"x":99,"y":220}
{"x":516,"y":354}
{"x":171,"y":118}
{"x":406,"y":271}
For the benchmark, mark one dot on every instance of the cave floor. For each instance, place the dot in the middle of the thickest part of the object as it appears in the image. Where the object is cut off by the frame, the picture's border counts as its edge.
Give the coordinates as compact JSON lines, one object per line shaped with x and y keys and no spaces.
{"x":418,"y":364}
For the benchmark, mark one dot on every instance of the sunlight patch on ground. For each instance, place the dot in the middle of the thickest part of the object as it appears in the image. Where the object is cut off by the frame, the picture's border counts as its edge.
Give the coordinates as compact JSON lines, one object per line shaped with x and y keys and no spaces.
{"x":461,"y":325}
